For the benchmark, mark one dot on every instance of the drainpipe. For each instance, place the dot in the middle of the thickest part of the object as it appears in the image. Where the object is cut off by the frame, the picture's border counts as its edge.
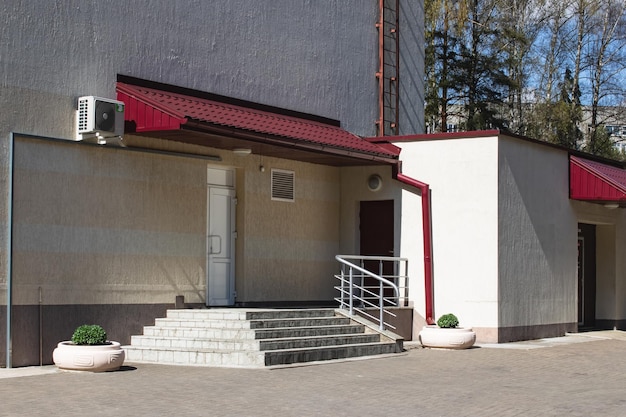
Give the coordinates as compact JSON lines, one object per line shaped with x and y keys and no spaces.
{"x":428,"y":249}
{"x":9,"y":254}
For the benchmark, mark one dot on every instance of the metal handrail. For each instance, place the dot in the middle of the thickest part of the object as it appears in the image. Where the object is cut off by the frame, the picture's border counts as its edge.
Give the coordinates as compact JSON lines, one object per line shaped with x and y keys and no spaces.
{"x":357,"y":296}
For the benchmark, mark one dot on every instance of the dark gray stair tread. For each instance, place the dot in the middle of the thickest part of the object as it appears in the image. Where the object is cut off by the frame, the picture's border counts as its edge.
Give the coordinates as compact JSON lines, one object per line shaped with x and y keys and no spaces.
{"x":290,"y":356}
{"x":298,"y":322}
{"x":284,"y":332}
{"x":289,"y":313}
{"x":269,"y":351}
{"x":317,"y":341}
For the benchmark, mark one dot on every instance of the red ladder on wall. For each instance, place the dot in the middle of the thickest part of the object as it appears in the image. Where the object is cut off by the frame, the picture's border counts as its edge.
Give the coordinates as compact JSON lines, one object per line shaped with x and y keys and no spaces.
{"x":388,"y":68}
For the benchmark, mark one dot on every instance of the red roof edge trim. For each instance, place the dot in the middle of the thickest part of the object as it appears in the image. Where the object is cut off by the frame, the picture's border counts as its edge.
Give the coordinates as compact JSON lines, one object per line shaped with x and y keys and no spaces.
{"x":147,"y":114}
{"x":595,"y":181}
{"x":388,"y":146}
{"x":435,"y":136}
{"x":615,"y":182}
{"x":131,"y":92}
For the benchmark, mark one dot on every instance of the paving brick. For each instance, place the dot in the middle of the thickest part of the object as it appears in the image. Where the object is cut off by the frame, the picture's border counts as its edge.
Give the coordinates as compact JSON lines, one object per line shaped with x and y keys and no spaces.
{"x":558,"y":379}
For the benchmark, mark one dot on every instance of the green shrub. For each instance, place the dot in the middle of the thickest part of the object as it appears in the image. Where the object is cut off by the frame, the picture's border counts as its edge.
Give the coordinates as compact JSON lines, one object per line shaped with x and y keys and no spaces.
{"x":448,"y":321}
{"x":89,"y":334}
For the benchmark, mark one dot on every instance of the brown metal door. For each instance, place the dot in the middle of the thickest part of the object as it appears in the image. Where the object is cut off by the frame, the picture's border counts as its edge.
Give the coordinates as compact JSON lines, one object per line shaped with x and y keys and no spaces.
{"x":376,"y":227}
{"x":377,"y":236}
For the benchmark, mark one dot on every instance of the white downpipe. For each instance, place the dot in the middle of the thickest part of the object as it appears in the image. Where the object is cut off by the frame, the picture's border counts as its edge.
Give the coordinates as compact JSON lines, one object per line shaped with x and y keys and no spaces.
{"x":9,"y":252}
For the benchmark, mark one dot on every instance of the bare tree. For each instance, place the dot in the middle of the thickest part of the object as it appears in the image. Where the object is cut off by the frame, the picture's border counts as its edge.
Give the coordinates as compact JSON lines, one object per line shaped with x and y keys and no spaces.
{"x":522,"y":24}
{"x":605,"y":60}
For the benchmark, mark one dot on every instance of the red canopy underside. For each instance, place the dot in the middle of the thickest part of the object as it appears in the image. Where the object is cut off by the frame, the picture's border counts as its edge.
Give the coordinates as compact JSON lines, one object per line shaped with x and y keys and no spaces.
{"x":596,"y":182}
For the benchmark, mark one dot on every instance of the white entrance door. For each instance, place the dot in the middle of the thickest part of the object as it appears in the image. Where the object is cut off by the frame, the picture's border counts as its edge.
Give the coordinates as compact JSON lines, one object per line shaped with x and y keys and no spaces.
{"x":221,"y":247}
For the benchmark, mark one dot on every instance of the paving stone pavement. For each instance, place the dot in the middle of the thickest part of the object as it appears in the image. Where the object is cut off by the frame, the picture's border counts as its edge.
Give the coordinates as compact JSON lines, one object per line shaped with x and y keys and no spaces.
{"x":572,"y":376}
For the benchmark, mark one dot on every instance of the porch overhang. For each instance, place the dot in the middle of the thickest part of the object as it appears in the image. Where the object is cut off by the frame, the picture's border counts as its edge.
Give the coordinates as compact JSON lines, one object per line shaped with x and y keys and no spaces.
{"x":194,"y":117}
{"x":596,"y":182}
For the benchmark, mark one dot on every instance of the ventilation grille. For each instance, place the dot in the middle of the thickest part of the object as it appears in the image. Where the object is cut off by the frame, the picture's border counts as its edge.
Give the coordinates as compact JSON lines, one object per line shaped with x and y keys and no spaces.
{"x":83,"y":114}
{"x":283,"y":185}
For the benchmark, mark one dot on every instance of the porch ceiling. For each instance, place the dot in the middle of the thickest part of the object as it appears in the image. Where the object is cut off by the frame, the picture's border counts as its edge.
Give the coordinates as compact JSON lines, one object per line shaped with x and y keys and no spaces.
{"x":596,"y":182}
{"x":194,"y":119}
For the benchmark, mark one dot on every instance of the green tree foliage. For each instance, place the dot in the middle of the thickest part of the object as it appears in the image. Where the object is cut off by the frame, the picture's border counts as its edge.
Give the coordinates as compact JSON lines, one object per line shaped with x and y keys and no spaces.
{"x":558,"y":121}
{"x":444,"y":23}
{"x":553,"y":71}
{"x":479,"y":76}
{"x":465,"y":71}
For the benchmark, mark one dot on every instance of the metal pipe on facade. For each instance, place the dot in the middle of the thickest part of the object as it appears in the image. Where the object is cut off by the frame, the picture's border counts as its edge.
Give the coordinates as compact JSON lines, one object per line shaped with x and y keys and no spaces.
{"x":428,"y":250}
{"x":380,"y":74}
{"x":40,"y":327}
{"x":9,"y":255}
{"x":396,"y":80}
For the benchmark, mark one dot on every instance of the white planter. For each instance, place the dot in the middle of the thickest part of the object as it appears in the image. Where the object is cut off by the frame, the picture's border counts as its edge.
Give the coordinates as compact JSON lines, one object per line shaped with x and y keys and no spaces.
{"x":96,"y":358}
{"x":456,"y":338}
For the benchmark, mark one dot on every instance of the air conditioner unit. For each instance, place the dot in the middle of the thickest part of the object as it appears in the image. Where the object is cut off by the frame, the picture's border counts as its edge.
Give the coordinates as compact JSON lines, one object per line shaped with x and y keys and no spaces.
{"x":99,"y":118}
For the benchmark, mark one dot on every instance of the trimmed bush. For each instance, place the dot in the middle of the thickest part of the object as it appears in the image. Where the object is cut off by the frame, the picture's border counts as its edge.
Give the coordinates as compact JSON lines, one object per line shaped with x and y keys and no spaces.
{"x":448,"y":321}
{"x":89,"y":334}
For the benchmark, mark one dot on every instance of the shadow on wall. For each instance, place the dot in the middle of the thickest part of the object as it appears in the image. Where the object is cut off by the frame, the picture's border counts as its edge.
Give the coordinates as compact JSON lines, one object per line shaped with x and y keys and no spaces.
{"x":411,"y":81}
{"x":58,"y":323}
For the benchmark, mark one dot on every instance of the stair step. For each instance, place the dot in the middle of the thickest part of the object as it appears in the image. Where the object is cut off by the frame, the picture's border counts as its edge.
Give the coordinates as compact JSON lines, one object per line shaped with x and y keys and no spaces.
{"x":239,"y":334}
{"x":246,"y":314}
{"x":194,"y":343}
{"x":298,"y":322}
{"x":198,"y":333}
{"x":254,"y":338}
{"x":263,"y":344}
{"x":250,"y":324}
{"x":249,"y":358}
{"x":208,"y":314}
{"x":317,"y":341}
{"x":291,"y":356}
{"x":289,"y":313}
{"x":281,"y":333}
{"x":202,"y":323}
{"x":202,"y":357}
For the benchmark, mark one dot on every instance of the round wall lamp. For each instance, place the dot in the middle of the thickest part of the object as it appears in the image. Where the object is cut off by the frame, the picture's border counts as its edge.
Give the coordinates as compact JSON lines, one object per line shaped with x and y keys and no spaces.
{"x":242,"y":151}
{"x":374,"y":182}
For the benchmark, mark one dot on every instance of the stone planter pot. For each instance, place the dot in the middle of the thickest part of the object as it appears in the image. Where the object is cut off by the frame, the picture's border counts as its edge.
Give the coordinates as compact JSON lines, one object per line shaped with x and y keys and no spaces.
{"x":96,"y":358}
{"x":455,"y":338}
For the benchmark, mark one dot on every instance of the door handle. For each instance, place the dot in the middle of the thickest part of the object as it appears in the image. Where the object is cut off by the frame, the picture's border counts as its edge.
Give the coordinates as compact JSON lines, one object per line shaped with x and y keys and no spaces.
{"x":215,"y":244}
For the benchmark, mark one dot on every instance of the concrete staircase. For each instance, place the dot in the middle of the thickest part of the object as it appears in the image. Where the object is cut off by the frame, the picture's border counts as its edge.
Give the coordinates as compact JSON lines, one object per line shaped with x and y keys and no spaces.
{"x":256,"y":338}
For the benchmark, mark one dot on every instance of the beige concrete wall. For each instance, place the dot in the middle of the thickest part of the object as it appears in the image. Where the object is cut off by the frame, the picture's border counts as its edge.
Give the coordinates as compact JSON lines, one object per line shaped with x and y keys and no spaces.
{"x":271,"y":52}
{"x":96,"y":225}
{"x":289,"y":247}
{"x":354,"y":189}
{"x":504,"y":234}
{"x":462,"y":174}
{"x":606,"y":263}
{"x":537,"y":232}
{"x":620,"y":270}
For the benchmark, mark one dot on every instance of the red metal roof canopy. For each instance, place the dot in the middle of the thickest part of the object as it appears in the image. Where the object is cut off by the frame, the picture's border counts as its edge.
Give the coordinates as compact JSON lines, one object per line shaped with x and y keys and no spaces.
{"x":155,"y":112}
{"x":596,"y":182}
